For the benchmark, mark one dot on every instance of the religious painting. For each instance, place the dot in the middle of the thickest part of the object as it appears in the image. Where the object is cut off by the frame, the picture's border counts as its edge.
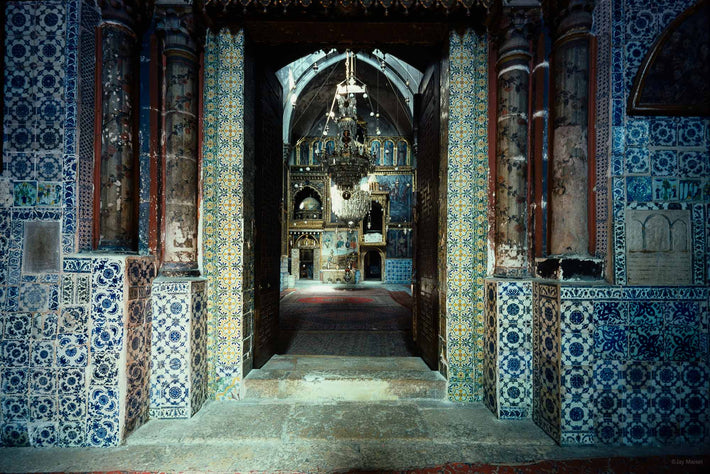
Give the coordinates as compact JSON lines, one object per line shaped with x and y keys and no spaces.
{"x":303,"y":155}
{"x":330,"y":146}
{"x":337,"y":247}
{"x":375,"y":151}
{"x":317,"y":151}
{"x":399,"y":244}
{"x":399,"y":187}
{"x":401,"y":153}
{"x":389,"y":152}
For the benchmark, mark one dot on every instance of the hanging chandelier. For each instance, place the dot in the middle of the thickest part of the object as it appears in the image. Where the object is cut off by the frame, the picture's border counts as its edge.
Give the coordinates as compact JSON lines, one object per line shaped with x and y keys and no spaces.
{"x":349,"y":161}
{"x":353,"y":209}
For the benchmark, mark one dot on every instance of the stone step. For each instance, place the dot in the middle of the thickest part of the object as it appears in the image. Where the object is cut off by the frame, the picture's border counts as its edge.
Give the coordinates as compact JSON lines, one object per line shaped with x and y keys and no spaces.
{"x":330,"y":378}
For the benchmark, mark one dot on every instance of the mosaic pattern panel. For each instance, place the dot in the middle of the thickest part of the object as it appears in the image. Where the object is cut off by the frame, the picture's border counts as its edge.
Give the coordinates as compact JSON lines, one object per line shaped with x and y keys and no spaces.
{"x":37,"y":205}
{"x":223,"y":219}
{"x":467,"y":219}
{"x":79,"y":377}
{"x":178,"y":385}
{"x":546,"y":358}
{"x":656,"y":162}
{"x":398,"y":270}
{"x":508,"y":348}
{"x":627,"y":366}
{"x":649,"y":375}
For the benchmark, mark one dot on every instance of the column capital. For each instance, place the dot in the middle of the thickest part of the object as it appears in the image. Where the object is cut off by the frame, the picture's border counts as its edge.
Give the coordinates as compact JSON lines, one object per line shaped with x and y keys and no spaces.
{"x":572,"y":17}
{"x":513,"y":29}
{"x":131,"y":14}
{"x":178,"y":27}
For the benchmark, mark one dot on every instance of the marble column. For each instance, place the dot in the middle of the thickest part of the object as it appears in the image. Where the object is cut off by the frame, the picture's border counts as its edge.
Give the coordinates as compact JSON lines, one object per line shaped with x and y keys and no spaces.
{"x":117,"y":180}
{"x":569,"y":175}
{"x":179,"y":138}
{"x":511,"y":187}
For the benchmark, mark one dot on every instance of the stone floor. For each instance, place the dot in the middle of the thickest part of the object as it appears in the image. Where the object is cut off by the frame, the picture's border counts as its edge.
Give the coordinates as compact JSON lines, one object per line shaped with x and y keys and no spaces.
{"x":326,"y":437}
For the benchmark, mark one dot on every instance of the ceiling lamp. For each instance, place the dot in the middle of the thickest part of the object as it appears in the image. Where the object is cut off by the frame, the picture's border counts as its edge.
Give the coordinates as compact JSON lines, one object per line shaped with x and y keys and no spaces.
{"x":349,"y":161}
{"x":352,"y":210}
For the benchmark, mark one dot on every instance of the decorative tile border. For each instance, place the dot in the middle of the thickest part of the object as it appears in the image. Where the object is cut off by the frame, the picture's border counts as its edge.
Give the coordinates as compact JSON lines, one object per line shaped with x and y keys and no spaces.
{"x":223,"y":231}
{"x":467,"y":218}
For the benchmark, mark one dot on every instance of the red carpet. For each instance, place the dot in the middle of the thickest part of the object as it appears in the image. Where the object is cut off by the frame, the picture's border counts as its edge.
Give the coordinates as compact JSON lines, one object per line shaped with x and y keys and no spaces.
{"x":371,"y":309}
{"x":335,"y":299}
{"x":403,"y":298}
{"x":655,"y":464}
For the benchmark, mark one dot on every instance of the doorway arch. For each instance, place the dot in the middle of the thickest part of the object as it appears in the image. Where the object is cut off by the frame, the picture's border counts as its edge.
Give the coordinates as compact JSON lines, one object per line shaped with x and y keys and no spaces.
{"x":373,"y":265}
{"x":228,"y":209}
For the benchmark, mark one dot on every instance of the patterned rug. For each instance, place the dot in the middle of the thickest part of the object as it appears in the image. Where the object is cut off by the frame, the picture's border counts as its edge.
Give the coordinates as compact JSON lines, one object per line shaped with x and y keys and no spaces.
{"x":371,"y":309}
{"x":617,"y":465}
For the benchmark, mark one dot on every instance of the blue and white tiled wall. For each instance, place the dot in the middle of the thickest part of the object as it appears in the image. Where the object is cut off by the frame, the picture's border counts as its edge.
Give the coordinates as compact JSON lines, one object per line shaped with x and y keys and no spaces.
{"x":74,"y":335}
{"x":79,"y":376}
{"x":398,"y":270}
{"x":507,"y":373}
{"x":621,"y":365}
{"x":178,"y":386}
{"x":657,"y":162}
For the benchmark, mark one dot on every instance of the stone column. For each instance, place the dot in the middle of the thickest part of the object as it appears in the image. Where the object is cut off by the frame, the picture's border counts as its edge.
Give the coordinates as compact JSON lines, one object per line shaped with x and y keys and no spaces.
{"x":569,"y":177}
{"x":116,"y":133}
{"x":511,"y":187}
{"x":179,"y":138}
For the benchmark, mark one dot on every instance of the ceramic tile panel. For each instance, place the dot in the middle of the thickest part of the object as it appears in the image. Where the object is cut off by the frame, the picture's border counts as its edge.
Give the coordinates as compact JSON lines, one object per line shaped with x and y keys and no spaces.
{"x":546,"y":407}
{"x":646,"y":363}
{"x":665,"y":158}
{"x":398,"y":270}
{"x":467,"y":218}
{"x":508,"y":346}
{"x":178,"y":385}
{"x":38,"y":185}
{"x":222,"y":208}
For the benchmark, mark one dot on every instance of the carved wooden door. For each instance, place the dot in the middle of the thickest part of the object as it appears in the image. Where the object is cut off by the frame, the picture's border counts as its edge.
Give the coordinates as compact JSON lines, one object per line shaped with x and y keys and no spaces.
{"x":267,"y":197}
{"x":426,"y":287}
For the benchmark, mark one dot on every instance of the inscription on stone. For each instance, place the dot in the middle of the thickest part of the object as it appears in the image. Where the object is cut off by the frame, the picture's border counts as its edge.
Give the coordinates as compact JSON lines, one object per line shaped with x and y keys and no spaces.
{"x":41,"y":247}
{"x":658,"y":247}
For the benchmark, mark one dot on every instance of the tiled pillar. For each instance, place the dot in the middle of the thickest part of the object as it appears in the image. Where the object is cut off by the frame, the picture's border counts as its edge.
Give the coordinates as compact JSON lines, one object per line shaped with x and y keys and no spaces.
{"x":178,"y":381}
{"x":179,"y":135}
{"x":569,"y":177}
{"x":507,"y":374}
{"x":511,"y":188}
{"x":563,"y":364}
{"x":117,"y":185}
{"x":103,"y":342}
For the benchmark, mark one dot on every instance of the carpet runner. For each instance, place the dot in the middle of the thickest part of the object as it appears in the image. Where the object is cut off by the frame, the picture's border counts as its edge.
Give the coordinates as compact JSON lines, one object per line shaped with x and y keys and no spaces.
{"x":346,"y":322}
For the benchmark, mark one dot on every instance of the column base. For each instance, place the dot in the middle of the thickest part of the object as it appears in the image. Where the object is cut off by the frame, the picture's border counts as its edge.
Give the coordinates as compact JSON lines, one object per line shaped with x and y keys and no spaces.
{"x":507,"y":364}
{"x":178,"y":269}
{"x":178,"y":382}
{"x":569,"y":268}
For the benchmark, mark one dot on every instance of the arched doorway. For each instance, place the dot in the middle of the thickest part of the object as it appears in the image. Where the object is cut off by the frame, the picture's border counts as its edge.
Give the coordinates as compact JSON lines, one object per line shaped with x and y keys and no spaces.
{"x":372,"y":266}
{"x":460,"y":61}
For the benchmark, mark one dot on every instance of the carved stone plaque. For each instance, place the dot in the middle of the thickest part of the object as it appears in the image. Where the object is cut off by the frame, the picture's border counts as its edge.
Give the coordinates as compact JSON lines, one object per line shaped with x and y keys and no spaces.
{"x":41,"y":247}
{"x":658,"y":247}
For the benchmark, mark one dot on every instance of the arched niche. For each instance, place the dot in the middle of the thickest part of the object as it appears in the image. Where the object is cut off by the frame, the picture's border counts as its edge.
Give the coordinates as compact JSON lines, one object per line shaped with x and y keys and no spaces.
{"x":673,"y":77}
{"x":307,"y":204}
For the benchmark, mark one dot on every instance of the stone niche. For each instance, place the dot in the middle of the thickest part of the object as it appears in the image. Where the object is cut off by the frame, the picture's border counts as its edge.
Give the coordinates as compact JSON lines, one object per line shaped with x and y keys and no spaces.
{"x":41,"y":247}
{"x":658,"y":247}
